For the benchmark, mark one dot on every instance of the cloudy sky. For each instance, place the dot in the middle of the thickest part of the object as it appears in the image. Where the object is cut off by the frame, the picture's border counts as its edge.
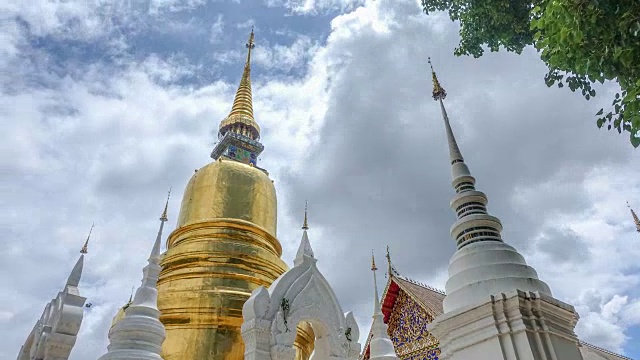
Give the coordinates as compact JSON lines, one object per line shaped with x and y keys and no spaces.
{"x":106,"y":104}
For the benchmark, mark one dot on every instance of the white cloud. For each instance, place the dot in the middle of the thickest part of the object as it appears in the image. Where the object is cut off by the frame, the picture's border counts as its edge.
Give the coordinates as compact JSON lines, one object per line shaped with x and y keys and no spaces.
{"x":105,"y":144}
{"x":314,"y":7}
{"x":285,"y":58}
{"x":584,"y":274}
{"x":217,"y":30}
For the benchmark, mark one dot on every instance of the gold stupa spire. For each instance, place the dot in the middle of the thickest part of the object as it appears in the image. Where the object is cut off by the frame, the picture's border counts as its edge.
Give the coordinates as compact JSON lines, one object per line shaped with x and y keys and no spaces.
{"x":241,"y":118}
{"x":84,"y":249}
{"x":438,"y":91}
{"x":305,"y":224}
{"x":636,"y":221}
{"x":439,"y":94}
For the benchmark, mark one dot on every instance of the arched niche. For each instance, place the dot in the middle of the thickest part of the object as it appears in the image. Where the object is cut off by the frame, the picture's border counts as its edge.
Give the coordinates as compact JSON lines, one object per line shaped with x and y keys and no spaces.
{"x":304,"y":342}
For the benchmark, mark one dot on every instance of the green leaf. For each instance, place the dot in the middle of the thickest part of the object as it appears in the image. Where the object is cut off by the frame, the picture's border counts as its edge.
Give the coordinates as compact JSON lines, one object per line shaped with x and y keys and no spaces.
{"x":600,"y":112}
{"x":586,"y":41}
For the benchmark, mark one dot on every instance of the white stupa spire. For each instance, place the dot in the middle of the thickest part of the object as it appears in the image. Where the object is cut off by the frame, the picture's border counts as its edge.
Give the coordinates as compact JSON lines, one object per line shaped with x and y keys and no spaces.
{"x":75,"y":275}
{"x":74,"y":278}
{"x":139,"y":335}
{"x":380,"y":345}
{"x":304,"y":250}
{"x":55,"y":333}
{"x":483,"y":265}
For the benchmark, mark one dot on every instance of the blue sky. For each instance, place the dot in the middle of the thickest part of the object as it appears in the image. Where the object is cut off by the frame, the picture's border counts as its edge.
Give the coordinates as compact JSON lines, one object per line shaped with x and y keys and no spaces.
{"x":106,"y":104}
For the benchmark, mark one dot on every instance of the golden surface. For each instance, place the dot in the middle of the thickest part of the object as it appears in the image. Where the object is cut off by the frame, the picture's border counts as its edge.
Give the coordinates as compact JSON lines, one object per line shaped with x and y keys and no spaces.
{"x":224,"y":247}
{"x":229,"y":189}
{"x":305,"y":341}
{"x":119,"y":315}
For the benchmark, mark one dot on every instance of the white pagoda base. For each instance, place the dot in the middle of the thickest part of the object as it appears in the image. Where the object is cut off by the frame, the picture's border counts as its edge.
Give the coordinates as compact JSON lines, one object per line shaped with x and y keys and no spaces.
{"x":515,"y":325}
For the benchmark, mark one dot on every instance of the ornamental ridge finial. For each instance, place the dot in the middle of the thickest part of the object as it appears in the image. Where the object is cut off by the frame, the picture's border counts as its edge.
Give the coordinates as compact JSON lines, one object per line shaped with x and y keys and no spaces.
{"x":163,"y":217}
{"x":438,"y":91}
{"x":305,"y":224}
{"x":84,"y":249}
{"x":390,"y":267}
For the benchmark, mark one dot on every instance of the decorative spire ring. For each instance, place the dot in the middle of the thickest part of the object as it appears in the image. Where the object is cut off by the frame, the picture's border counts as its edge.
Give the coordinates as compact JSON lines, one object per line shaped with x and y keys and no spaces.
{"x":84,"y":249}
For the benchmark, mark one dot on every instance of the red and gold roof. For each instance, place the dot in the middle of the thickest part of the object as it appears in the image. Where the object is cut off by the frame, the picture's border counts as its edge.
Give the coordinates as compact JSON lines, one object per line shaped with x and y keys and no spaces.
{"x":408,"y":307}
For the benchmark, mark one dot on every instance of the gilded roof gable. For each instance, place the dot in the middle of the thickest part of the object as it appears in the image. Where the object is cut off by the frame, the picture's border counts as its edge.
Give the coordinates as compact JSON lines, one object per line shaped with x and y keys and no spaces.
{"x":408,"y":307}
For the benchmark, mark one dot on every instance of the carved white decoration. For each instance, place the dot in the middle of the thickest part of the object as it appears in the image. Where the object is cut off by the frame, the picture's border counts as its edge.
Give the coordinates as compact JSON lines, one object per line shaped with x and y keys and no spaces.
{"x":54,"y":335}
{"x":269,"y":328}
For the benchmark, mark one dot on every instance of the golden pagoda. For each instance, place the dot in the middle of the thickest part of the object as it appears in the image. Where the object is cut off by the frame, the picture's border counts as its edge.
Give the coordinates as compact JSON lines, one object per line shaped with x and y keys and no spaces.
{"x":224,"y":245}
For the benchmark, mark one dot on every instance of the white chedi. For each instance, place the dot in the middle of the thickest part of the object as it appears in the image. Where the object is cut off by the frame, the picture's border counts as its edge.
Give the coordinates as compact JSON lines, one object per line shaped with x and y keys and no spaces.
{"x":139,"y":334}
{"x":55,"y":333}
{"x":496,"y":307}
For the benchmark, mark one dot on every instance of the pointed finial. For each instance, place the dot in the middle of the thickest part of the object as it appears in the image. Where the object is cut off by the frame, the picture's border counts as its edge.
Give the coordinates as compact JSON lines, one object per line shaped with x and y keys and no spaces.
{"x":131,"y":296}
{"x":84,"y":249}
{"x":250,"y":44}
{"x":242,"y":108}
{"x":390,"y":268}
{"x":373,"y":262}
{"x":163,"y":217}
{"x":305,"y":224}
{"x":636,"y":220}
{"x":376,"y":305}
{"x":438,"y":91}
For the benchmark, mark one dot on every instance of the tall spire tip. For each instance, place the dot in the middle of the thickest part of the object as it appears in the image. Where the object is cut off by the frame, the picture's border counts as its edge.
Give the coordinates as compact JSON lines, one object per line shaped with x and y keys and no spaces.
{"x":251,"y":44}
{"x":131,"y":296}
{"x":305,"y":224}
{"x":636,"y":220}
{"x":373,"y":262}
{"x":163,"y":217}
{"x":438,"y":91}
{"x":85,"y":249}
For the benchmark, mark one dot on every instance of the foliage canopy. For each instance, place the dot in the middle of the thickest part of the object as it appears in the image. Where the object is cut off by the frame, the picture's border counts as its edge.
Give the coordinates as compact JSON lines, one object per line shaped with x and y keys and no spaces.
{"x":581,"y":42}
